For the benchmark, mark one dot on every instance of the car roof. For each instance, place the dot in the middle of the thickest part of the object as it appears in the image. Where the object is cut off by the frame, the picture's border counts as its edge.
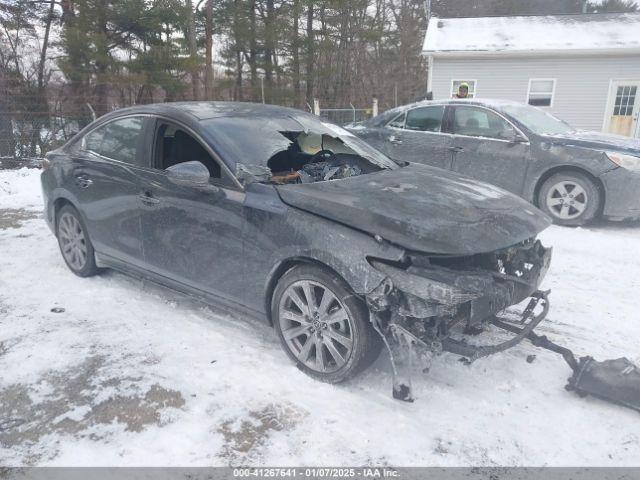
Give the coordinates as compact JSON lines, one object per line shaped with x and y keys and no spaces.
{"x":208,"y":110}
{"x":495,"y":104}
{"x":484,"y":102}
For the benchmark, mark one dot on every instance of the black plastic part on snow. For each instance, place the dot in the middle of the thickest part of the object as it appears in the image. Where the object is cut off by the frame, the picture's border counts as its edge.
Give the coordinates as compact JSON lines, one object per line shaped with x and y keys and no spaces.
{"x":617,"y":381}
{"x":402,"y":392}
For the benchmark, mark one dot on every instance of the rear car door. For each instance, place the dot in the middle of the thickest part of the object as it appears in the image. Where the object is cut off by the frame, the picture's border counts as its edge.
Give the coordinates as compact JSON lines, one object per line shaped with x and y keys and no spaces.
{"x":106,"y":184}
{"x":192,"y":233}
{"x":417,"y":136}
{"x":487,"y":147}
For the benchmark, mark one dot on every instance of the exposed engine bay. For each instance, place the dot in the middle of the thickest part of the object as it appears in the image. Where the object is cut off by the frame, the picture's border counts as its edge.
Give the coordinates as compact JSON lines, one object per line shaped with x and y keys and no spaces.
{"x":313,"y":157}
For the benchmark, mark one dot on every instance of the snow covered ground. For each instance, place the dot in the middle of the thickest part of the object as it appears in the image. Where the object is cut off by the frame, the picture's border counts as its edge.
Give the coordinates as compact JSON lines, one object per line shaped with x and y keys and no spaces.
{"x":115,"y":371}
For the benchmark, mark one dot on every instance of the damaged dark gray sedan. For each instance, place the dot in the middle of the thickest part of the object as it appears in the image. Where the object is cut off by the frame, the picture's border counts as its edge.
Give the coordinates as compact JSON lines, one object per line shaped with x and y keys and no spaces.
{"x":272,"y":213}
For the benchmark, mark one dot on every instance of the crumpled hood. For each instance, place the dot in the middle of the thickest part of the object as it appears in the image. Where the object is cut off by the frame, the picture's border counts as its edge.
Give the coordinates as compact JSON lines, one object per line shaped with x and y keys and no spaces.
{"x":423,"y":208}
{"x":604,"y":141}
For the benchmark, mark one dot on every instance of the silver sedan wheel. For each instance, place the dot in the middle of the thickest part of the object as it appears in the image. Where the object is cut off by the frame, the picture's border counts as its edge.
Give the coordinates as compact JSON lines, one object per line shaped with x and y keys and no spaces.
{"x":72,"y":241}
{"x":316,"y":326}
{"x":567,"y":200}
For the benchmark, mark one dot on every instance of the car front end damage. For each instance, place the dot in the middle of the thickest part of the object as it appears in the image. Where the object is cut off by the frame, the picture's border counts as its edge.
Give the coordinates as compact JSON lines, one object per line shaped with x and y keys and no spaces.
{"x":425,"y":301}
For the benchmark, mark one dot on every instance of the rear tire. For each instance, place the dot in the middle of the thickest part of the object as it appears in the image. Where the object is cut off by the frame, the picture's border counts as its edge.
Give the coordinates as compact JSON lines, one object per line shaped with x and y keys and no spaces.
{"x":570,"y":198}
{"x":75,"y":245}
{"x":335,"y":321}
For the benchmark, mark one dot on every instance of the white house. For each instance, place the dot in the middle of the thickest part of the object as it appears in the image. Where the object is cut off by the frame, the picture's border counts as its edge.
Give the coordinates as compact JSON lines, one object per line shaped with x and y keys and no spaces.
{"x":584,"y":68}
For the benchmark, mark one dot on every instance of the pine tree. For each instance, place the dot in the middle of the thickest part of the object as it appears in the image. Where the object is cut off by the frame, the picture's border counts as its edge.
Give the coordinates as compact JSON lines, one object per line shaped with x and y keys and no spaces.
{"x":609,"y":6}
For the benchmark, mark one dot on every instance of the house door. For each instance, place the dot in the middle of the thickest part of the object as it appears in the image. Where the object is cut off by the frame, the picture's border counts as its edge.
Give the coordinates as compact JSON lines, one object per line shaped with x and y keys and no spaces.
{"x":624,"y":106}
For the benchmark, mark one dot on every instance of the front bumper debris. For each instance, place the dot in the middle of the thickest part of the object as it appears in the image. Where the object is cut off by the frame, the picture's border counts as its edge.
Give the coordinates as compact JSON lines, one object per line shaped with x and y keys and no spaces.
{"x":423,"y":298}
{"x":404,"y":346}
{"x":529,"y":320}
{"x":616,"y":381}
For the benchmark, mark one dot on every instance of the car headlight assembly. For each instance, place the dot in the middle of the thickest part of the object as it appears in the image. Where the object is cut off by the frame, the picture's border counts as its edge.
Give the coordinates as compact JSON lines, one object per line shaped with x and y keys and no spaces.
{"x":629,"y":162}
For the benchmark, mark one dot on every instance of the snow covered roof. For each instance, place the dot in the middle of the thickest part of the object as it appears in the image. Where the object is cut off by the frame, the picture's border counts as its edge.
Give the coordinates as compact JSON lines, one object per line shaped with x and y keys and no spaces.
{"x":585,"y":33}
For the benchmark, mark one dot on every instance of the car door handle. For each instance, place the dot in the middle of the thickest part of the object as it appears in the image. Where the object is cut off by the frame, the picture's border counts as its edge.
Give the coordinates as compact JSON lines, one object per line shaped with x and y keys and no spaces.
{"x":456,"y":149}
{"x":83,"y":181}
{"x":395,"y":140}
{"x":148,"y":199}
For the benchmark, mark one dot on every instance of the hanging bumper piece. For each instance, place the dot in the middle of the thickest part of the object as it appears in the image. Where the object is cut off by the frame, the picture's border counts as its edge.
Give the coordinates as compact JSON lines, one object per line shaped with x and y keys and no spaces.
{"x":616,"y":381}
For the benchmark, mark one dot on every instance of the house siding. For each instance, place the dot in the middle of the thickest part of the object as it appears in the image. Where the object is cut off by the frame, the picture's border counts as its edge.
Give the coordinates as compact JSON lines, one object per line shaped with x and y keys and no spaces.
{"x":582,"y":83}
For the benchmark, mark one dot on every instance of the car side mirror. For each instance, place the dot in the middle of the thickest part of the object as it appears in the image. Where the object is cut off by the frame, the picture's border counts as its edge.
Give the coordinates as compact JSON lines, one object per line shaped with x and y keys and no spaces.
{"x":512,"y":136}
{"x":193,"y":172}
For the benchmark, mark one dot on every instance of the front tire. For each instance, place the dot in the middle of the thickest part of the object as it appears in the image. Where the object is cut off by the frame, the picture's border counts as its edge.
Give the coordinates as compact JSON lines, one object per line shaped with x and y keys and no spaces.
{"x":322,"y":326}
{"x":570,"y":198}
{"x":75,"y":246}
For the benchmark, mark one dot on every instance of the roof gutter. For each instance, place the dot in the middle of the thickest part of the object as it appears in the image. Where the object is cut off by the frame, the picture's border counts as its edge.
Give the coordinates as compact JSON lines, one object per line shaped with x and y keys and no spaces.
{"x":530,"y":53}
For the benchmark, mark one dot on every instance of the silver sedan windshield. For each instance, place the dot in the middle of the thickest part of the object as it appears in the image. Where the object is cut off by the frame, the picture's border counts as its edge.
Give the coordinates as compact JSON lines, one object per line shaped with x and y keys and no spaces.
{"x":538,"y":121}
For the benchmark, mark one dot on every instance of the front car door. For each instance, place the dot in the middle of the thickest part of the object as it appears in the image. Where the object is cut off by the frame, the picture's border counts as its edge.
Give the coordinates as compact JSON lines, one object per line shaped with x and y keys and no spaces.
{"x":192,"y":234}
{"x":417,"y":136}
{"x":487,"y":147}
{"x":106,"y":183}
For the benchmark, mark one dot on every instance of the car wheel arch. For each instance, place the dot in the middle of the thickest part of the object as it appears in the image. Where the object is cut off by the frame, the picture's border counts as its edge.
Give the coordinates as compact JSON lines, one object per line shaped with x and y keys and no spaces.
{"x":60,"y":202}
{"x":281,"y":269}
{"x":57,"y":206}
{"x":533,"y":197}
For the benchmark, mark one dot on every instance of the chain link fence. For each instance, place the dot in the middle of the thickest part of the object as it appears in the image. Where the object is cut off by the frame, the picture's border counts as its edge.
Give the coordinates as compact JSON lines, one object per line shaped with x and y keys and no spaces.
{"x":26,"y":137}
{"x":31,"y":127}
{"x":345,"y":116}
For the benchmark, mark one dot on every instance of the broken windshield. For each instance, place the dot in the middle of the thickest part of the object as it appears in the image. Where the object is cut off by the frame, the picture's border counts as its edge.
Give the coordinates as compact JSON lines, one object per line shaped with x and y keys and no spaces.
{"x":294,"y":148}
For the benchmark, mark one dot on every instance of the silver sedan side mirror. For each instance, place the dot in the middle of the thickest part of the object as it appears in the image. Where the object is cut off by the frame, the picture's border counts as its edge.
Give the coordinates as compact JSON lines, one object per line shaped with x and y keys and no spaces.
{"x":513,"y":136}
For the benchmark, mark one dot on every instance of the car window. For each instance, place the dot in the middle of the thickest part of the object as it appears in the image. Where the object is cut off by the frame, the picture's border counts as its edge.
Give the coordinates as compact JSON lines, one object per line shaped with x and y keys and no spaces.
{"x":479,"y":122}
{"x":538,"y":121}
{"x":117,"y":140}
{"x":425,"y":119}
{"x":397,"y":122}
{"x":174,"y":146}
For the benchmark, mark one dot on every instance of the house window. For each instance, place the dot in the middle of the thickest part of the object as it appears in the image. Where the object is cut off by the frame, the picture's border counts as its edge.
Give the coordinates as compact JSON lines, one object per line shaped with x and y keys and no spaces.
{"x":541,"y":92}
{"x":625,"y":100}
{"x":455,"y":85}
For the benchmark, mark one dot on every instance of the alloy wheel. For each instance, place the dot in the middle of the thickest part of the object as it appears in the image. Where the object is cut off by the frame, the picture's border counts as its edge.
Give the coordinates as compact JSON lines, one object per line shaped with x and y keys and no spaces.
{"x":567,"y":200}
{"x":316,"y":326}
{"x":72,"y":241}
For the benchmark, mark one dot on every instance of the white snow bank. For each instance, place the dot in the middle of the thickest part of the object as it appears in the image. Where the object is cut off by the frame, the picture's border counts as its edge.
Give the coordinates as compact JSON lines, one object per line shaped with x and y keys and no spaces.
{"x":245,"y":403}
{"x":20,"y":189}
{"x":533,"y":33}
